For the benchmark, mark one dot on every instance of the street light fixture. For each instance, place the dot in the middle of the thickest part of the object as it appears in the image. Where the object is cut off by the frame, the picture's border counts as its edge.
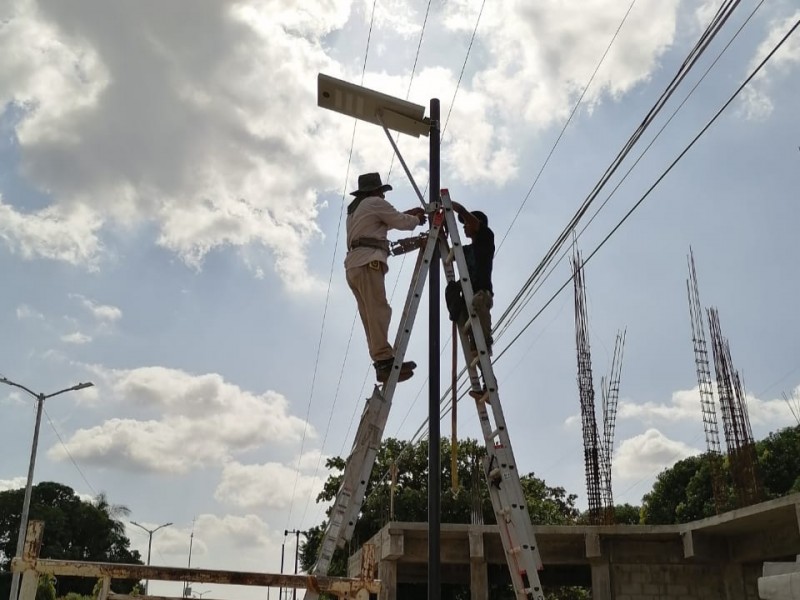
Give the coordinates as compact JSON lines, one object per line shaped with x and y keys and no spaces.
{"x":26,"y":503}
{"x":297,"y":533}
{"x":405,"y":117}
{"x":150,"y":533}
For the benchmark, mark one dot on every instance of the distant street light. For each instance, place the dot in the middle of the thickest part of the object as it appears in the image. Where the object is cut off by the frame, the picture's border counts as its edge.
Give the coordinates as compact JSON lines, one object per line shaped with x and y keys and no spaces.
{"x":297,"y":533}
{"x":150,"y":533}
{"x":26,"y":503}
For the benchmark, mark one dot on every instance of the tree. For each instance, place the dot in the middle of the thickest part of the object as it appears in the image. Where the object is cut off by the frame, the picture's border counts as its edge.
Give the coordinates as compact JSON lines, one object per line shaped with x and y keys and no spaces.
{"x":779,"y":462}
{"x":625,"y":514}
{"x":683,"y":492}
{"x":547,"y":505}
{"x":74,"y":530}
{"x":680,"y":494}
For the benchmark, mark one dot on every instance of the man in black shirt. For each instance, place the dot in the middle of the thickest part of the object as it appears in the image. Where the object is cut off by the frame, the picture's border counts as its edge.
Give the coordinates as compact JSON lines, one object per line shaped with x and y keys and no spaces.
{"x":480,"y":256}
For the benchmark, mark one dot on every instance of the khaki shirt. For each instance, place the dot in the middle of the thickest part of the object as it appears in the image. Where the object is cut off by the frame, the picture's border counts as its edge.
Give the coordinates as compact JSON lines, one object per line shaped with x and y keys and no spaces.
{"x":373,"y":218}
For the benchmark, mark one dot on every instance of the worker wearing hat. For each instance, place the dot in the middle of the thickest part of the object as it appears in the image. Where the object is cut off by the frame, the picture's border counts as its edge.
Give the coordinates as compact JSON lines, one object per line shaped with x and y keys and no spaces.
{"x":369,"y":218}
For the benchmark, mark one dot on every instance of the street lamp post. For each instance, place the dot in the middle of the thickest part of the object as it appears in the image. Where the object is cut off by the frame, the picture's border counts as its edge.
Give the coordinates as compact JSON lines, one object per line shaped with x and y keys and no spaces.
{"x":297,"y":533}
{"x":26,"y":503}
{"x":150,"y":533}
{"x":408,"y":118}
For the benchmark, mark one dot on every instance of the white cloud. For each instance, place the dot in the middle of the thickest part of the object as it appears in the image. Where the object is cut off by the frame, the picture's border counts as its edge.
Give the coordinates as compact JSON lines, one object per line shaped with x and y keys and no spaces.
{"x":62,"y":233}
{"x":245,"y":531}
{"x":684,"y":405}
{"x":207,"y":128}
{"x":26,"y":312}
{"x":76,"y":338}
{"x":200,"y":421}
{"x":756,"y":102}
{"x":537,"y":80}
{"x":647,"y":454}
{"x":269,"y":485}
{"x":101,"y":312}
{"x":12,"y":484}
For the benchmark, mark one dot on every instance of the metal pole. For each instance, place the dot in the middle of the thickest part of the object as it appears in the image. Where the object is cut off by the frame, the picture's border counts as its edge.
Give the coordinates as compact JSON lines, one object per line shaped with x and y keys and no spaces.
{"x":149,"y":545}
{"x":150,"y":533}
{"x":26,"y":502}
{"x":296,"y":554}
{"x":283,"y":547}
{"x":189,"y":566}
{"x":434,"y":412}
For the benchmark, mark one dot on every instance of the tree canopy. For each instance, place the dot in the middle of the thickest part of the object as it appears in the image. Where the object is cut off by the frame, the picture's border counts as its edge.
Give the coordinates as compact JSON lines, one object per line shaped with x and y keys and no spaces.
{"x":75,"y":529}
{"x":684,"y":493}
{"x":546,"y":504}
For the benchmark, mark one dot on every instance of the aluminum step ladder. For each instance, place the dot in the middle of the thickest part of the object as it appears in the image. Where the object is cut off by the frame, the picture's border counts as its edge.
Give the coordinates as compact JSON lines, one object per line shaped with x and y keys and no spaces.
{"x":500,"y":468}
{"x":358,"y":467}
{"x":502,"y":477}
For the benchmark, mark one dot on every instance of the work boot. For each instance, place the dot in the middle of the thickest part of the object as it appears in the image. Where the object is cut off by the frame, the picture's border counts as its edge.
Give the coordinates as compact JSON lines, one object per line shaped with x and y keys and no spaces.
{"x":383,"y":368}
{"x":478,"y":394}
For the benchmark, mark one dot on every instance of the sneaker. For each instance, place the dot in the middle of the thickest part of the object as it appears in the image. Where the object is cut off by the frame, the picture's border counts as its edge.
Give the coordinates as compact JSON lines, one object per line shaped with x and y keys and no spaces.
{"x":383,"y":369}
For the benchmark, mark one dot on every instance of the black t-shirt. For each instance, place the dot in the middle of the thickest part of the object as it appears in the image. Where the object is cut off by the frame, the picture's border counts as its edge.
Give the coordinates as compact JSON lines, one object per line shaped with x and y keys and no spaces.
{"x":480,"y":255}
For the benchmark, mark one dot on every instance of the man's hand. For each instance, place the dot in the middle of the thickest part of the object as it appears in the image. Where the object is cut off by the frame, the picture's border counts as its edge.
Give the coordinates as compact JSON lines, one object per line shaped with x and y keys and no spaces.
{"x":418,"y":212}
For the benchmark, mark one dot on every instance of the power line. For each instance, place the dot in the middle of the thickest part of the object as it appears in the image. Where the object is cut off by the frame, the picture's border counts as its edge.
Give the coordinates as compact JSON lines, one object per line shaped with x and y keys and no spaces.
{"x":330,"y":279}
{"x":566,"y":124}
{"x":522,"y":304}
{"x":69,"y":454}
{"x":661,"y":177}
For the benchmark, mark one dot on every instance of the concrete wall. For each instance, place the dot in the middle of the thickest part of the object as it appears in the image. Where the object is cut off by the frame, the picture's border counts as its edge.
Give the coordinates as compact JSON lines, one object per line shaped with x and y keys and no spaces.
{"x":716,"y":558}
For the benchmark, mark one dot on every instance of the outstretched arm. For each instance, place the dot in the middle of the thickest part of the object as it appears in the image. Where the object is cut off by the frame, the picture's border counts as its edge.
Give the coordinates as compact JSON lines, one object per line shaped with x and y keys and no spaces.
{"x":468,"y":217}
{"x":416,"y":212}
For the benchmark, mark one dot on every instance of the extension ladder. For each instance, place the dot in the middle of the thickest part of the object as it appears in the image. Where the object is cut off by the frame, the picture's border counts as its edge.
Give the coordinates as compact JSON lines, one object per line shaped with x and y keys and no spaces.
{"x":505,"y":490}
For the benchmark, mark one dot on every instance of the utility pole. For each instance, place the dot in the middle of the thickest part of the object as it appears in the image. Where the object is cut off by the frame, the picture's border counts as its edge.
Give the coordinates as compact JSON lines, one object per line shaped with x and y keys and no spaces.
{"x":26,"y":503}
{"x":186,"y":584}
{"x":150,"y":533}
{"x":297,"y":533}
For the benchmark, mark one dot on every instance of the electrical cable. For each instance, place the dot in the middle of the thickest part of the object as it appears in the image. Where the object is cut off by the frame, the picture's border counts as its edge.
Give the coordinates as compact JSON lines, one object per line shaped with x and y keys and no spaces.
{"x":330,"y":279}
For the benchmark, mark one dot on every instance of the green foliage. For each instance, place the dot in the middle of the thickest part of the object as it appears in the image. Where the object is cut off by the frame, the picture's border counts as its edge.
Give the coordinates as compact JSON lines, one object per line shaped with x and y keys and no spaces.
{"x":547,"y":505}
{"x":625,"y":514}
{"x":76,"y":596}
{"x":46,"y":588}
{"x":684,"y":492}
{"x":779,"y":462}
{"x":74,"y":530}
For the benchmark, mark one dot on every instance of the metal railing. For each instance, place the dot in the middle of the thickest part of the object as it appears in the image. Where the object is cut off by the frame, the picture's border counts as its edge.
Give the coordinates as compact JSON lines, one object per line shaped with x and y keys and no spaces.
{"x":31,"y":567}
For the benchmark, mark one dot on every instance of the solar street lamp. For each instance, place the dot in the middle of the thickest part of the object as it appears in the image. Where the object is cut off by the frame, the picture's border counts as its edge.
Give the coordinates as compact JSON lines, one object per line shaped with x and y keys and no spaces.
{"x":150,"y":533}
{"x":406,"y":117}
{"x":26,"y":503}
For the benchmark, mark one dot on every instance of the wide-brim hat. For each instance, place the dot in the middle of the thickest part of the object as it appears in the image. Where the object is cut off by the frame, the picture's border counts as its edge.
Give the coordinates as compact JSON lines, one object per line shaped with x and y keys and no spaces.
{"x":370,"y":183}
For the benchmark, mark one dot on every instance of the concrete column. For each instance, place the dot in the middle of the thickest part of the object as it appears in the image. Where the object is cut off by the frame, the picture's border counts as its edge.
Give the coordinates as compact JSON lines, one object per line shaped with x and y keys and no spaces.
{"x":478,"y":580}
{"x":478,"y":570}
{"x":387,"y":573}
{"x":601,"y":581}
{"x":733,"y":582}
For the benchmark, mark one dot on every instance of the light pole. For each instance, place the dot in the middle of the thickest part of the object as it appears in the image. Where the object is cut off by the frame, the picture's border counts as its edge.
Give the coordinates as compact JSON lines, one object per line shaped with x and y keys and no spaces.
{"x":408,"y":118}
{"x":26,"y":503}
{"x":150,"y":533}
{"x":297,"y":533}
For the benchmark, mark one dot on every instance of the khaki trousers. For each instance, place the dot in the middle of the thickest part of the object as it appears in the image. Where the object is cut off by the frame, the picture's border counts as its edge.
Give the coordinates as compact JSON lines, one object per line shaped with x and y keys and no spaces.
{"x":367,"y":283}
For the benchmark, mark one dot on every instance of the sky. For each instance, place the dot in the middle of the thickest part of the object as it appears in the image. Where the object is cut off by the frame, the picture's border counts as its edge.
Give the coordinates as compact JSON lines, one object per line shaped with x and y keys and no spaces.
{"x":171,"y":229}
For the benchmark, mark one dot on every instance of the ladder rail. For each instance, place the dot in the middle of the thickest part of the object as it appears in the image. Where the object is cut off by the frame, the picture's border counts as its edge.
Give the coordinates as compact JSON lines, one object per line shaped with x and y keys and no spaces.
{"x":502,"y":476}
{"x":358,"y":467}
